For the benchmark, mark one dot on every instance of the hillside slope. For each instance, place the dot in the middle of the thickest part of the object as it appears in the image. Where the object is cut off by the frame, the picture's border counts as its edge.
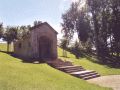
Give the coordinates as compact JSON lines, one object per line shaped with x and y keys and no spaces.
{"x":17,"y":75}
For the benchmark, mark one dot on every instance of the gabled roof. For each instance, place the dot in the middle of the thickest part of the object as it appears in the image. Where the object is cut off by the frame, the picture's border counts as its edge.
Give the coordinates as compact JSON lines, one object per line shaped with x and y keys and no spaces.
{"x":45,"y":23}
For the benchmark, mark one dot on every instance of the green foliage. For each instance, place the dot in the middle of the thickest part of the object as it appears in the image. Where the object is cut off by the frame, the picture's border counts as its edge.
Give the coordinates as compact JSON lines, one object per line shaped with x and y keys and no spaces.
{"x":97,"y":25}
{"x":74,"y":20}
{"x":1,"y":30}
{"x":10,"y":35}
{"x":105,"y":16}
{"x":69,"y":20}
{"x":23,"y":32}
{"x":76,"y":49}
{"x":64,"y":45}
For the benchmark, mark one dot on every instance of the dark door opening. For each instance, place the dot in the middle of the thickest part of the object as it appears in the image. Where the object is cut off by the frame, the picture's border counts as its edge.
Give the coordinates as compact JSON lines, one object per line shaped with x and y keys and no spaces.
{"x":44,"y":48}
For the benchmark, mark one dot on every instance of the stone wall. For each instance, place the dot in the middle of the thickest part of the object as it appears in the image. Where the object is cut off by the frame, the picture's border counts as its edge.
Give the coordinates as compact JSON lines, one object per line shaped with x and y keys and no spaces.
{"x":23,"y":48}
{"x":39,"y":32}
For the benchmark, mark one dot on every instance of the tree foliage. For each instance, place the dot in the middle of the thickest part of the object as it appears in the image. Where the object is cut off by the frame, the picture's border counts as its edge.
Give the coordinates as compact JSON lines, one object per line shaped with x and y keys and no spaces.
{"x":97,"y":24}
{"x":74,"y":20}
{"x":76,"y":49}
{"x":10,"y":35}
{"x":64,"y":45}
{"x":1,"y":30}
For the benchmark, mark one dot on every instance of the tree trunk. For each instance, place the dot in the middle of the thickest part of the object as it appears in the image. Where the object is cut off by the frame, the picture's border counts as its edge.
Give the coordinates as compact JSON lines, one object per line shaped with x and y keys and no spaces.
{"x":63,"y":53}
{"x":96,"y":31}
{"x":7,"y":47}
{"x":111,"y":47}
{"x":117,"y":51}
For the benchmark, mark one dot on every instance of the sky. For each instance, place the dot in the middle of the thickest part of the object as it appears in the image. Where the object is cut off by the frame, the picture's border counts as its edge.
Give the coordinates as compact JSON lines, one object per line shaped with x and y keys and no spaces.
{"x":25,"y":12}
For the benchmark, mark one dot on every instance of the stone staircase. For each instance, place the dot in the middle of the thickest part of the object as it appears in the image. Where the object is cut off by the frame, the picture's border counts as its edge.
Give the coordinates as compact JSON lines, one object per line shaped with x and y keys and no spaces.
{"x":77,"y":71}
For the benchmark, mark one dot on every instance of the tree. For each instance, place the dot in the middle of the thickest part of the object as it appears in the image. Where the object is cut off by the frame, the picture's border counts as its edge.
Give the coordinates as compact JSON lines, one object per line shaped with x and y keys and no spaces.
{"x":1,"y":30}
{"x":37,"y":23}
{"x":75,"y":21}
{"x":23,"y":32}
{"x":10,"y":35}
{"x":69,"y":21}
{"x":105,"y":16}
{"x":64,"y":45}
{"x":115,"y":18}
{"x":97,"y":25}
{"x":76,"y":49}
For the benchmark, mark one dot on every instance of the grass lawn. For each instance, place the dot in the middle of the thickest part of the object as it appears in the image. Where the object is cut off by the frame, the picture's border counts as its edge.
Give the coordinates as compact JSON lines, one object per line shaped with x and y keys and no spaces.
{"x":3,"y":47}
{"x":16,"y":75}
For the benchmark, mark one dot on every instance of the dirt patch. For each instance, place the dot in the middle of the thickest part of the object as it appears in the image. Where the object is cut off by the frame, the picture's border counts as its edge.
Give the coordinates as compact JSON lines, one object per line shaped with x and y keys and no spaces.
{"x":112,"y":81}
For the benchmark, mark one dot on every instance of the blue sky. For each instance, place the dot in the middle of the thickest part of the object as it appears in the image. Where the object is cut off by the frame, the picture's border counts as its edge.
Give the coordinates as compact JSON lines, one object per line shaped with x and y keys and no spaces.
{"x":24,"y":12}
{"x":16,"y":12}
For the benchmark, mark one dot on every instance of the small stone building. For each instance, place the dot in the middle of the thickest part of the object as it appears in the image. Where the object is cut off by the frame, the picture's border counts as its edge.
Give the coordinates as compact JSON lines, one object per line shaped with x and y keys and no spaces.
{"x":40,"y":43}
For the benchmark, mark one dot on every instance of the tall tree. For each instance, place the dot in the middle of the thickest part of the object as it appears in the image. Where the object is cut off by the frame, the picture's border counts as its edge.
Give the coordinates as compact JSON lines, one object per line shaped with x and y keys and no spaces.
{"x":64,"y":45}
{"x":10,"y":35}
{"x":1,"y":30}
{"x":115,"y":16}
{"x":75,"y":21}
{"x":76,"y":49}
{"x":98,"y":22}
{"x":69,"y":21}
{"x":94,"y":9}
{"x":106,"y":21}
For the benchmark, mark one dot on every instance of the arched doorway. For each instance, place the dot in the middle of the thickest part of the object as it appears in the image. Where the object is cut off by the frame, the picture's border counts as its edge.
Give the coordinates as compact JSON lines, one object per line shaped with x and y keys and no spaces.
{"x":45,"y":48}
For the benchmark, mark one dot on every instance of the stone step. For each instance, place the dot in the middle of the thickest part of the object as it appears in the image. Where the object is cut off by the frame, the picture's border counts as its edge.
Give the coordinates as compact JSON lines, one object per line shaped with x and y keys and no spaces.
{"x":90,"y":77}
{"x":86,"y":75}
{"x":62,"y":65}
{"x":77,"y":71}
{"x":82,"y":72}
{"x":69,"y":67}
{"x":74,"y":70}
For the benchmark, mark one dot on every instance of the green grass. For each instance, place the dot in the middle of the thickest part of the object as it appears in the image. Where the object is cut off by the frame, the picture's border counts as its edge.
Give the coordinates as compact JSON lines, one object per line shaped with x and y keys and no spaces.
{"x":3,"y":47}
{"x":16,"y":75}
{"x":87,"y":64}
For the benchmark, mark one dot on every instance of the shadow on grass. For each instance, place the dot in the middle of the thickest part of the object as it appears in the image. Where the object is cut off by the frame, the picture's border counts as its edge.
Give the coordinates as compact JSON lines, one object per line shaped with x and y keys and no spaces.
{"x":89,"y":57}
{"x":101,"y":61}
{"x":25,"y":60}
